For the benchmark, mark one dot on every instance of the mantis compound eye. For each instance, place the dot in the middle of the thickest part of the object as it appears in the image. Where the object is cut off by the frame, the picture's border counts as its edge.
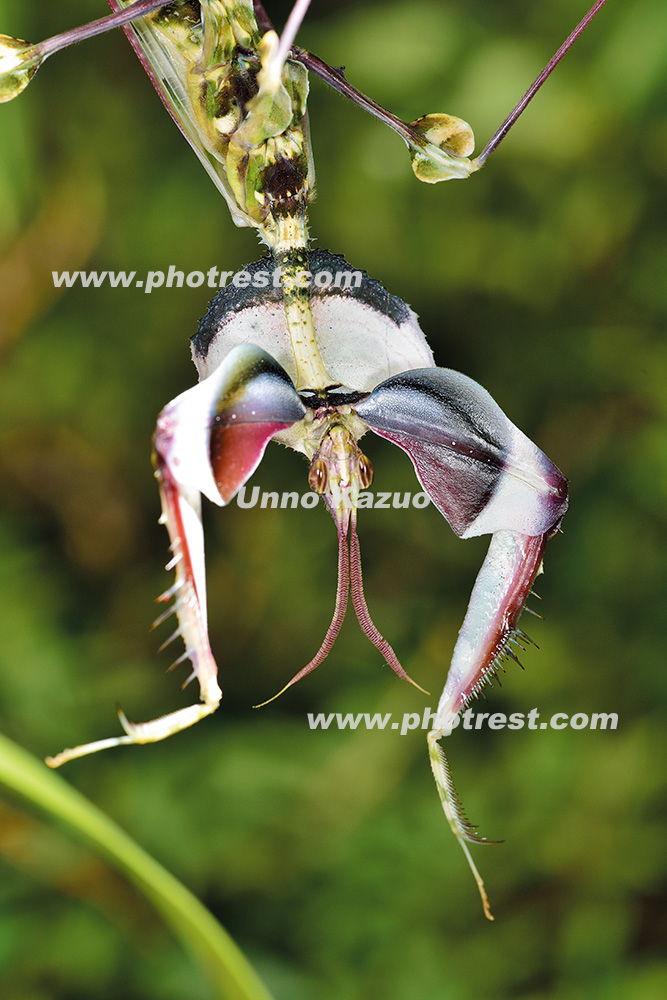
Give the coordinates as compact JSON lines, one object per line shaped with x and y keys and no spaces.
{"x":365,"y":472}
{"x":318,"y":476}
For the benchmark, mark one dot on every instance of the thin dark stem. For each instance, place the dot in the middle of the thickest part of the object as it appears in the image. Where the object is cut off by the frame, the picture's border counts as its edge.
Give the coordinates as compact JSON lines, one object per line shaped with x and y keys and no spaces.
{"x":533,"y":89}
{"x":98,"y":27}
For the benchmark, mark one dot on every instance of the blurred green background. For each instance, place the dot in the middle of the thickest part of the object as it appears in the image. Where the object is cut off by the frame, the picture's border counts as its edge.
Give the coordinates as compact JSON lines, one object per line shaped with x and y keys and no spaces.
{"x":326,"y":854}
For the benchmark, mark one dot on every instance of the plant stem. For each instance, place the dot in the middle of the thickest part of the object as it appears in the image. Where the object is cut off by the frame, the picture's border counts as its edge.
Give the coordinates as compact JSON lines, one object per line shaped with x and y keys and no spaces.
{"x":226,"y":965}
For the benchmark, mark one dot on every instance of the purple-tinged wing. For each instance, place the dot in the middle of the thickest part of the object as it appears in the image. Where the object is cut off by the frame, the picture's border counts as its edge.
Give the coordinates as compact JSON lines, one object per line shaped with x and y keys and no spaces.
{"x":209,"y":440}
{"x":482,"y":473}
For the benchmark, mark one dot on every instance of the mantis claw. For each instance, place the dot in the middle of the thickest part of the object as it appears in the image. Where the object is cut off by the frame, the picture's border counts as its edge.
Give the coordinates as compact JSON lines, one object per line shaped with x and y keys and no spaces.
{"x":200,"y":449}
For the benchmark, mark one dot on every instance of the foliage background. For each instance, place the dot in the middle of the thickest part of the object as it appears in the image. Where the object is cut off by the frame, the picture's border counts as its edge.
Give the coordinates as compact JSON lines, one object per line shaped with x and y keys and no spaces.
{"x":326,"y":854}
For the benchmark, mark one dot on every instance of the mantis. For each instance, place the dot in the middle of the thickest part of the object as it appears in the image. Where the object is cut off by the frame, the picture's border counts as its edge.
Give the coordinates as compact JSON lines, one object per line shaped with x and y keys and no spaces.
{"x":315,"y":367}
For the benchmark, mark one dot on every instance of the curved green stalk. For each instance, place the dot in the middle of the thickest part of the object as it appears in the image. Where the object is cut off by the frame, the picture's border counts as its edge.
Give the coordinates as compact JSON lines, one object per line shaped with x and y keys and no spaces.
{"x":226,"y":966}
